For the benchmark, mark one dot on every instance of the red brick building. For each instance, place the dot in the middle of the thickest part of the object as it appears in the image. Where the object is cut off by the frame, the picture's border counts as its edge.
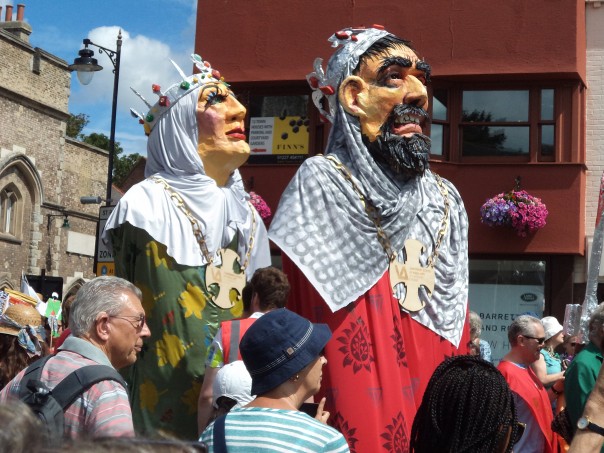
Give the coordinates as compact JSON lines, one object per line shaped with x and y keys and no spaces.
{"x":508,"y":100}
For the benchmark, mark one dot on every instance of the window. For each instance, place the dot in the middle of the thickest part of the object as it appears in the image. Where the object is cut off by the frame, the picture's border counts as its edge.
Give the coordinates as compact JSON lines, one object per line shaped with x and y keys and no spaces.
{"x":499,"y":291}
{"x":439,"y":131}
{"x":9,"y":210}
{"x":495,"y":123}
{"x":474,"y":123}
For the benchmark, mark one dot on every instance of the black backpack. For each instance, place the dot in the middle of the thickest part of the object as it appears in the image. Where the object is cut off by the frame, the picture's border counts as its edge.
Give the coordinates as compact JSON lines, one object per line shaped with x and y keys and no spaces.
{"x":49,"y":405}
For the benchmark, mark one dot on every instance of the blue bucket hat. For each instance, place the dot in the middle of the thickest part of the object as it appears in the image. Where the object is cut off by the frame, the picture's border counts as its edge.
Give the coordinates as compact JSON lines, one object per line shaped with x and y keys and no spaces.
{"x":278,"y":345}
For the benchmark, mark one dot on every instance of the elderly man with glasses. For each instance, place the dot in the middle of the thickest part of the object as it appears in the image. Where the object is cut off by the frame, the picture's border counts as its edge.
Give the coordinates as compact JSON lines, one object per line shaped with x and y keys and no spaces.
{"x":527,"y":338}
{"x":108,"y":326}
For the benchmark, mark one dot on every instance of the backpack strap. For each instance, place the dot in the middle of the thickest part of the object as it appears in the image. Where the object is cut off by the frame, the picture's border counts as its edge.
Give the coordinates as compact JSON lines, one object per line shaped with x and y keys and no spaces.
{"x":80,"y":380}
{"x":218,"y":435}
{"x":32,"y":373}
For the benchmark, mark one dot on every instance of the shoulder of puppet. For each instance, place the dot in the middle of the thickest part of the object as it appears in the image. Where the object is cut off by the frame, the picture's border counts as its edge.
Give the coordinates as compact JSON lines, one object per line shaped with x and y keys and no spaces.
{"x":141,"y":195}
{"x":314,"y":170}
{"x":453,"y":192}
{"x":314,"y":166}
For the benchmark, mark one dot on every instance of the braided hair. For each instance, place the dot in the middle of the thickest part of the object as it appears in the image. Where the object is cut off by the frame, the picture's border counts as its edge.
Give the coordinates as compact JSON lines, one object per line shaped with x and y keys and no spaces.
{"x":467,"y":407}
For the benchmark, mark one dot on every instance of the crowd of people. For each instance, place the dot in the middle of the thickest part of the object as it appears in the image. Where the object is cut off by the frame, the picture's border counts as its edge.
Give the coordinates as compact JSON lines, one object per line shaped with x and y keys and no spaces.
{"x":469,"y":404}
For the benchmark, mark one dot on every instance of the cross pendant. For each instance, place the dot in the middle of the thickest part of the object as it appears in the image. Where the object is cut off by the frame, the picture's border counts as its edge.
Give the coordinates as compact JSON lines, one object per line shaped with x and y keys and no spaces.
{"x":413,"y":275}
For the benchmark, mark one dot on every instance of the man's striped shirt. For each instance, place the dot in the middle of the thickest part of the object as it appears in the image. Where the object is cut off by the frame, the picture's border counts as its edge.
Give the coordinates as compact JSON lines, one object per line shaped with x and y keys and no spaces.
{"x":101,"y":411}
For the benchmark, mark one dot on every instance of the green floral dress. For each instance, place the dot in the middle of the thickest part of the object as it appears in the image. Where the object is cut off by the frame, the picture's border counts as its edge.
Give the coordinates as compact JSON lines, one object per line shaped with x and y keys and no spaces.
{"x":165,"y":381}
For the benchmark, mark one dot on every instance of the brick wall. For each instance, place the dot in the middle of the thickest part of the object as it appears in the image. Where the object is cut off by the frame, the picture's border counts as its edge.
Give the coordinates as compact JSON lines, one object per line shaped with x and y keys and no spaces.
{"x":50,"y":85}
{"x":50,"y":172}
{"x":594,"y":138}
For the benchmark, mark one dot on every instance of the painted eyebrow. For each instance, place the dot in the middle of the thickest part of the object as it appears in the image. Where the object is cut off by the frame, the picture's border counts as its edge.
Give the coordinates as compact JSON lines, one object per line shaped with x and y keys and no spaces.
{"x":405,"y":63}
{"x":217,"y":88}
{"x":394,"y":61}
{"x":425,"y":68}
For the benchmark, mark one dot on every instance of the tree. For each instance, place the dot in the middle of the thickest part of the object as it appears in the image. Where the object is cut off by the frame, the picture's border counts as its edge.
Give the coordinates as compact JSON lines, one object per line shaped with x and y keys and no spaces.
{"x":122,"y":165}
{"x":75,"y":125}
{"x":101,"y":141}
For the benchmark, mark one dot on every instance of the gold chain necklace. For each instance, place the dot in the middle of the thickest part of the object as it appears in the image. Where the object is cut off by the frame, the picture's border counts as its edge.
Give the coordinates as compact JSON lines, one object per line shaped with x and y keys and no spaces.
{"x":410,"y":274}
{"x":223,"y":276}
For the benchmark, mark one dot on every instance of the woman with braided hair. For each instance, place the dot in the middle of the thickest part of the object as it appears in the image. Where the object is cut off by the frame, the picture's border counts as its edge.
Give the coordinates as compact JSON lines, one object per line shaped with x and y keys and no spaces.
{"x":467,"y":407}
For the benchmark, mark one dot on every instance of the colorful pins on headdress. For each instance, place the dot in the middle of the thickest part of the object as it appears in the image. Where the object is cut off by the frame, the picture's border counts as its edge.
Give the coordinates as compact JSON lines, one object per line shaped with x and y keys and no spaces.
{"x":354,"y":42}
{"x":174,"y":93}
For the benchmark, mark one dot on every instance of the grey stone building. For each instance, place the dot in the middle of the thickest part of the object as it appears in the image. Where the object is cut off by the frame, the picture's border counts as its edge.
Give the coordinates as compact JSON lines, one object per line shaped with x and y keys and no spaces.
{"x":43,"y":173}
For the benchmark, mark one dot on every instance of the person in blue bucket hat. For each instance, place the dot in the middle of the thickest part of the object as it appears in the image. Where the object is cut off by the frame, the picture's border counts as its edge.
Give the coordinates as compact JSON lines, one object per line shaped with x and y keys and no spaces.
{"x":283,"y":353}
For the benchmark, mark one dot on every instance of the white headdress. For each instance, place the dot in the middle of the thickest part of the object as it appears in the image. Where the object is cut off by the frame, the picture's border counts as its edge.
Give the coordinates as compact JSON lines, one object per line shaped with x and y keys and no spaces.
{"x":168,"y":98}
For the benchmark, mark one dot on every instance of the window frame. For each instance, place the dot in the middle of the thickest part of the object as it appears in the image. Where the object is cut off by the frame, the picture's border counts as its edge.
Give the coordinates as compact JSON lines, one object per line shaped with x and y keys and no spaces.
{"x":11,"y":208}
{"x":453,"y":125}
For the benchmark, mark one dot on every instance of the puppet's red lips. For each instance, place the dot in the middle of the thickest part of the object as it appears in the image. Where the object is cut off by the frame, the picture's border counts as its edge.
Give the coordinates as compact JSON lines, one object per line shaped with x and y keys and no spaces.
{"x":407,"y":124}
{"x":237,"y":133}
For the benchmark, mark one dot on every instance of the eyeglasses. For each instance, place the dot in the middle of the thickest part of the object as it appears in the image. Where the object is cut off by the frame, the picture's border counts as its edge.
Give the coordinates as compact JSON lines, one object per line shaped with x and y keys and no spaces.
{"x":139,"y":322}
{"x":521,"y":427}
{"x":539,"y":340}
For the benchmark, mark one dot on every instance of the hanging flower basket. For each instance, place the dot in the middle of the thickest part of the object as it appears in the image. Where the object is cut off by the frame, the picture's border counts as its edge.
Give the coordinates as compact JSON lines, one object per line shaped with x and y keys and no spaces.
{"x":260,"y":205}
{"x":517,"y":209}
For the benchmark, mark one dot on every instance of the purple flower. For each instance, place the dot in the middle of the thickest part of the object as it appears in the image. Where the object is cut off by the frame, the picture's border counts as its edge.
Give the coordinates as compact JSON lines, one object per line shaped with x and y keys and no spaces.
{"x":516,"y":209}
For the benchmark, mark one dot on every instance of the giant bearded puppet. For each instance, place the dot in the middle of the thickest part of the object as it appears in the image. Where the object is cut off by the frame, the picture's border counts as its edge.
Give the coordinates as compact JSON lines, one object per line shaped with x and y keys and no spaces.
{"x":189,"y":238}
{"x":377,"y":242}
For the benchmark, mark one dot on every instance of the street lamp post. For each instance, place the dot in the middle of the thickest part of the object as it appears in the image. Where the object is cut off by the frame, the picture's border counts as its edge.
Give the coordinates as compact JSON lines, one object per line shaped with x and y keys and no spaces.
{"x":86,"y":66}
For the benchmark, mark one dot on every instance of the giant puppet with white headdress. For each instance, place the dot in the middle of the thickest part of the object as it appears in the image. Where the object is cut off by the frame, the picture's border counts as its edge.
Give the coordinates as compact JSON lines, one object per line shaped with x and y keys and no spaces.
{"x":376,"y":243}
{"x":189,"y":238}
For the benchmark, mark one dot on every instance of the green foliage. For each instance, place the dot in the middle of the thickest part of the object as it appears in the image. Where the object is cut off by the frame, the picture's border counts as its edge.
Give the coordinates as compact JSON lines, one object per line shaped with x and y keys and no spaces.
{"x":122,"y":165}
{"x":101,"y":141}
{"x":75,"y":125}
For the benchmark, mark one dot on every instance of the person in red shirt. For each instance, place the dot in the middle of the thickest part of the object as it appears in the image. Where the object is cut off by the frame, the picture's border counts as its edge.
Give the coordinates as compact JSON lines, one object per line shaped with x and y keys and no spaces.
{"x":533,"y":402}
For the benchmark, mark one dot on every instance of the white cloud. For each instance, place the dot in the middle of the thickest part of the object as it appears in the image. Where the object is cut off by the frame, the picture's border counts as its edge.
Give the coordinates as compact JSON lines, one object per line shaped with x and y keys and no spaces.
{"x":144,"y":61}
{"x":133,"y":142}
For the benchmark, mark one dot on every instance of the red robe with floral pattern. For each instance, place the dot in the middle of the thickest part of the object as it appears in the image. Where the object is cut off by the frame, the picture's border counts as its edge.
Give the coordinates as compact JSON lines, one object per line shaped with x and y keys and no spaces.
{"x":379,"y":362}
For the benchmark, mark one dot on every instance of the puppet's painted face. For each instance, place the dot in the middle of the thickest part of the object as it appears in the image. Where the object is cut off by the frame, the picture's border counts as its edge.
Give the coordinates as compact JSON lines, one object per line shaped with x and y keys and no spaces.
{"x":220,"y":119}
{"x":393,"y":78}
{"x":390,"y":98}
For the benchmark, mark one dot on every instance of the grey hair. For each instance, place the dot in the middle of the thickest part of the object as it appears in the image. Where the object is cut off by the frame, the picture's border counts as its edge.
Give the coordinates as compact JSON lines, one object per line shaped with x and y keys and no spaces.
{"x":102,"y":294}
{"x":597,"y":316}
{"x":522,"y":325}
{"x":475,"y":325}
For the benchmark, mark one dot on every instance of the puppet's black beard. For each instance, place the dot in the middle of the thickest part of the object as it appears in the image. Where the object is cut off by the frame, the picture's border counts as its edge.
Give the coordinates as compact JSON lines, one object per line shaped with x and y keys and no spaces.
{"x":403,"y":155}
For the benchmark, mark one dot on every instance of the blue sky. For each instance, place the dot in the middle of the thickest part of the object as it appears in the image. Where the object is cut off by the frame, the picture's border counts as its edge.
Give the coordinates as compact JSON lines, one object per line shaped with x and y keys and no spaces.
{"x":153,"y":31}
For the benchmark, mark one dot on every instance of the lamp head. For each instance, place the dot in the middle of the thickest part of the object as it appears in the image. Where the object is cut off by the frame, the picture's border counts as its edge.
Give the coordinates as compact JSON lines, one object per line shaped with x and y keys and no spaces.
{"x":85,"y":65}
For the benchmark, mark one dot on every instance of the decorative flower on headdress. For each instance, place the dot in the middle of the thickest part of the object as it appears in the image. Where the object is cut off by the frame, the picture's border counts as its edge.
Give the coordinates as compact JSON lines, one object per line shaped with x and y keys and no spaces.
{"x":172,"y":95}
{"x":354,"y":42}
